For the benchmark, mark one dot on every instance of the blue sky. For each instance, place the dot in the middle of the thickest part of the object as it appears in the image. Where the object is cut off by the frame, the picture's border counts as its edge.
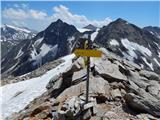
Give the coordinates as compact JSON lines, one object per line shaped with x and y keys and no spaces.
{"x":38,"y":15}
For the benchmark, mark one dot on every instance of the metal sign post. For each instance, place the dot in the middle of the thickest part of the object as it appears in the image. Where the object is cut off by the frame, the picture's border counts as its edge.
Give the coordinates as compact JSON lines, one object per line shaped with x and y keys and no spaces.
{"x":87,"y":52}
{"x":88,"y":68}
{"x":87,"y":82}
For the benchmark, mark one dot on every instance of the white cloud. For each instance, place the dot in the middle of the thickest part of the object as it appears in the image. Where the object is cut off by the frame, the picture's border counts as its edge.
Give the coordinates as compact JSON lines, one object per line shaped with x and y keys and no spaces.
{"x":39,"y":20}
{"x":37,"y":14}
{"x":12,"y":13}
{"x":20,"y":14}
{"x":63,"y":13}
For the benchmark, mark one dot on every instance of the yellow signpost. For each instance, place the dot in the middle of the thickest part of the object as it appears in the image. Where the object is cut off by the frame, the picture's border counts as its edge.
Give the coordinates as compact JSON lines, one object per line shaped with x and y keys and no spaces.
{"x":87,"y":52}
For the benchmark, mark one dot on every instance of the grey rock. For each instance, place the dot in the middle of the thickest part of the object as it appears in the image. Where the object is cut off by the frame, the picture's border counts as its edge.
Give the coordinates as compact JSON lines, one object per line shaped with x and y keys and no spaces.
{"x":78,"y":76}
{"x":55,"y":82}
{"x":109,"y":71}
{"x":116,"y":94}
{"x":145,"y":103}
{"x":150,"y":75}
{"x":98,"y":86}
{"x":153,"y":89}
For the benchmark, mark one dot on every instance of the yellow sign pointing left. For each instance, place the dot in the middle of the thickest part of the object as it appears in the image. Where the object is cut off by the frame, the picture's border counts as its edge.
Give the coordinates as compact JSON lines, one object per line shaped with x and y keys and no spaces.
{"x":88,"y":53}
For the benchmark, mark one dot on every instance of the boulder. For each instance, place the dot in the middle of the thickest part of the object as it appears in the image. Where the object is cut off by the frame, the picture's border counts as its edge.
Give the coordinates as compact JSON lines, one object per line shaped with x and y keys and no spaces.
{"x":116,"y":94}
{"x":145,"y":103}
{"x":75,"y":107}
{"x":69,"y":108}
{"x":109,"y":70}
{"x":79,"y":76}
{"x":153,"y":90}
{"x":140,"y":81}
{"x":98,"y":87}
{"x":55,"y":82}
{"x":150,"y":75}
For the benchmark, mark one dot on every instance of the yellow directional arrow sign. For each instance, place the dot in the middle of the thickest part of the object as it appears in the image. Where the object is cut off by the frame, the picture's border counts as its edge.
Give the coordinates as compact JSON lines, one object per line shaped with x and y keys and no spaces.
{"x":88,"y":53}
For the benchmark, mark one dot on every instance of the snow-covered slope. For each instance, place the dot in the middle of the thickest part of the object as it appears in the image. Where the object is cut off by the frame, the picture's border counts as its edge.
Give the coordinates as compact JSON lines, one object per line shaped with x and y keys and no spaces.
{"x":14,"y":97}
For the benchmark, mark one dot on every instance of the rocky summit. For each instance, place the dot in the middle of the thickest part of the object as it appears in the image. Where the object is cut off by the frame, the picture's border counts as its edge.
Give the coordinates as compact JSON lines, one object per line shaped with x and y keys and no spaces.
{"x":119,"y":90}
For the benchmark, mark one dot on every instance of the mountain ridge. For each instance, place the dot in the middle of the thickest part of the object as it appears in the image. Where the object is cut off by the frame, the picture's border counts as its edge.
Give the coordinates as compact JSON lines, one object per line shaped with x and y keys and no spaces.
{"x":60,"y":39}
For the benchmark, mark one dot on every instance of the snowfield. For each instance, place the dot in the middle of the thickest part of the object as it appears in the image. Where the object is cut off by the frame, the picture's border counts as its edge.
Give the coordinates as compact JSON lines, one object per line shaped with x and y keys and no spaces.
{"x":94,"y":35}
{"x":83,"y":30}
{"x":14,"y":97}
{"x":131,"y":46}
{"x":114,"y":42}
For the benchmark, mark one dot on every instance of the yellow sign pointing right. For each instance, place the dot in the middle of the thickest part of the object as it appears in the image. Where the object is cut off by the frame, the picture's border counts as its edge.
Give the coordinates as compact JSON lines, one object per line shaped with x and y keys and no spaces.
{"x":88,"y":53}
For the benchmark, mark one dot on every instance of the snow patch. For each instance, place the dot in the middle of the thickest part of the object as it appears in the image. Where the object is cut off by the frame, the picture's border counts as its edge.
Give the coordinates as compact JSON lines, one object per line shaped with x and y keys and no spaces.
{"x":93,"y":35}
{"x":33,"y":53}
{"x":18,"y":95}
{"x":83,"y":30}
{"x":131,"y":46}
{"x":159,"y":54}
{"x":130,"y":56}
{"x":151,"y":32}
{"x":12,"y":67}
{"x":19,"y":53}
{"x":38,"y":41}
{"x":142,"y":66}
{"x":114,"y":42}
{"x":47,"y":48}
{"x":44,"y":51}
{"x":147,"y":63}
{"x":85,"y":36}
{"x":157,"y":45}
{"x":156,"y":61}
{"x":70,"y":39}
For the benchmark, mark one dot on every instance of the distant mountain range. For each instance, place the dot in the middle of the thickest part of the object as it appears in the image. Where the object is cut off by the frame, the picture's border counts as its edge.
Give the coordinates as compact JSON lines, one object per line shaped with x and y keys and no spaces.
{"x":12,"y":35}
{"x":141,"y":46}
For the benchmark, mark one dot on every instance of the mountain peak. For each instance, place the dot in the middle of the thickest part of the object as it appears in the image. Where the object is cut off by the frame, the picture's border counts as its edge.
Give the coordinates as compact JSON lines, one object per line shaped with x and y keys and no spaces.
{"x":59,"y":21}
{"x":120,"y":20}
{"x":91,"y":27}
